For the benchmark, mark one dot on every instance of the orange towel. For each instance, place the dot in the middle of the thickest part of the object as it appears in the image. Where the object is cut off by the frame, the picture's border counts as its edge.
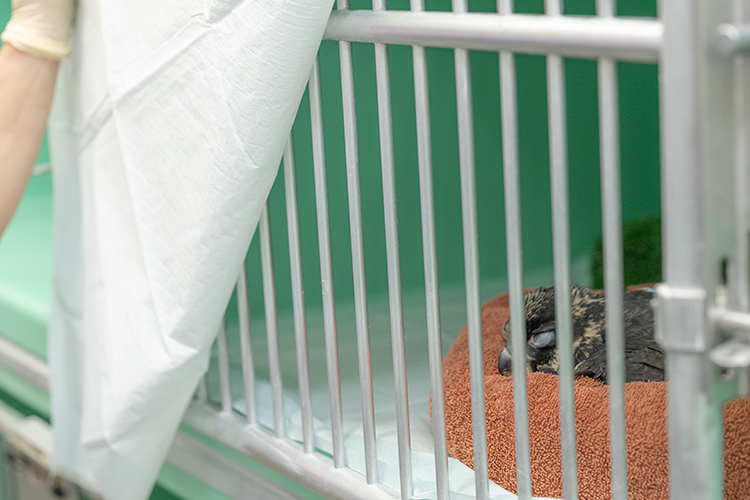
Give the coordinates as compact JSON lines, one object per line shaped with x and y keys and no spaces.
{"x":646,"y":410}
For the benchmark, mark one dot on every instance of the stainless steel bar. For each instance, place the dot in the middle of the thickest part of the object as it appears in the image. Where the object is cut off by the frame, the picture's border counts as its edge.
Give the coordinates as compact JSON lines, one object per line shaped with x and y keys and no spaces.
{"x":272,"y":331}
{"x":388,"y":168}
{"x":740,"y":284}
{"x":326,"y":267}
{"x":298,"y":297}
{"x":429,"y":249}
{"x":202,"y":393}
{"x":588,"y":37}
{"x":248,"y":370}
{"x":471,"y":262}
{"x":358,"y":257}
{"x":224,"y":370}
{"x":613,"y":261}
{"x":25,"y":364}
{"x":561,"y":244}
{"x":693,"y":142}
{"x":509,"y":116}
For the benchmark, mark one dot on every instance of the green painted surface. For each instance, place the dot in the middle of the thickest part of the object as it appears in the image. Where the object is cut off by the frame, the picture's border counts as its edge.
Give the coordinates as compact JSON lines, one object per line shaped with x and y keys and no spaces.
{"x":639,"y":155}
{"x":26,"y":268}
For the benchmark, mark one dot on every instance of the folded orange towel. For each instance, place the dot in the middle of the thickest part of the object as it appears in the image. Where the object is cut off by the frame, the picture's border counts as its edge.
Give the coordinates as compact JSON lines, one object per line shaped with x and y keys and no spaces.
{"x":646,"y":410}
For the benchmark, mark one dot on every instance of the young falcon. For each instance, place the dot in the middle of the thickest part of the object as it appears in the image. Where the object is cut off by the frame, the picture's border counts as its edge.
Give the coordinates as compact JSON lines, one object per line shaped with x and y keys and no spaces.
{"x":644,"y":359}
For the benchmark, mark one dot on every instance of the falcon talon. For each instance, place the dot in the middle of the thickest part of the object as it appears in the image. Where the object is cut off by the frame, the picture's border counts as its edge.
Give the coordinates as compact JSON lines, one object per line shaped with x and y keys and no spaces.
{"x":644,"y":358}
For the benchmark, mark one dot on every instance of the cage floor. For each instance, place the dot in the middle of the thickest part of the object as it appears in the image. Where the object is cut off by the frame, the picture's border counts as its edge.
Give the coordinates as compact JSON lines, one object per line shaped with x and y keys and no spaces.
{"x":453,"y":319}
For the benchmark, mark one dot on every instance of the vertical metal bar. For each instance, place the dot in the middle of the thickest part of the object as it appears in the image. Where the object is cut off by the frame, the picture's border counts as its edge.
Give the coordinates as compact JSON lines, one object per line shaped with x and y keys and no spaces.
{"x":471,"y":262}
{"x":509,"y":113}
{"x":613,"y":272}
{"x":248,"y":371}
{"x":224,"y":370}
{"x":358,"y":256}
{"x":202,"y":393}
{"x":561,"y":242}
{"x":326,"y":267}
{"x":741,"y":277}
{"x":613,"y":261}
{"x":272,"y":331}
{"x":298,"y":298}
{"x":429,"y":248}
{"x":693,"y":141}
{"x":394,"y":264}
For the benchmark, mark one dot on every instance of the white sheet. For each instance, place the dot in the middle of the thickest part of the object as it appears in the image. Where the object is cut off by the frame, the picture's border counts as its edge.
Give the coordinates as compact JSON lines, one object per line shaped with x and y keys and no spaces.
{"x":166,"y":135}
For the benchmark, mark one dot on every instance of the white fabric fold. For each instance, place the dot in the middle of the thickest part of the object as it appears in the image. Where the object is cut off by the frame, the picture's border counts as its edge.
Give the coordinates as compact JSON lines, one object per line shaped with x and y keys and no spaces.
{"x":167,"y":132}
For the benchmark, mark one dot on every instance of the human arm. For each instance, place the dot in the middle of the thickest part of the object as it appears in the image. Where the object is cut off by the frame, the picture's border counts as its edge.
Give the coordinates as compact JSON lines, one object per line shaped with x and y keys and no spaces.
{"x":35,"y":39}
{"x":26,"y":87}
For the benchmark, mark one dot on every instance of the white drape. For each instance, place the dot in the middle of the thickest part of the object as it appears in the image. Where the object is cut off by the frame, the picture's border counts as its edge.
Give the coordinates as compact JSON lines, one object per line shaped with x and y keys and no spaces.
{"x":166,"y":134}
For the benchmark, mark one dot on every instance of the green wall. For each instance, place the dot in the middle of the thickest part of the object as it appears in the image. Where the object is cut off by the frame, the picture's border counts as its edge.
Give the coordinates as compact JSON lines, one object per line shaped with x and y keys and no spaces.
{"x":639,"y":155}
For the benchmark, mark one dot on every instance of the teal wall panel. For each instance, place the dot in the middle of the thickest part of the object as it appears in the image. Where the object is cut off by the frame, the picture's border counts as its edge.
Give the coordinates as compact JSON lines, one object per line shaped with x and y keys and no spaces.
{"x":639,"y":155}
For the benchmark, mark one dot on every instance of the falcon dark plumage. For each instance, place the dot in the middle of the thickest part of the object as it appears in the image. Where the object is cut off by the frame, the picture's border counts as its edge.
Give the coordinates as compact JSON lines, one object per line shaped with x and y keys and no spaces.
{"x":644,"y":359}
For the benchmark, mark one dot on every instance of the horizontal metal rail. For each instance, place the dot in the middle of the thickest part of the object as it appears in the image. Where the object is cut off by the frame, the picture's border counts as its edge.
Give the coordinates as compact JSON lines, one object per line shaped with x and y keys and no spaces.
{"x":24,"y":364}
{"x":312,"y":470}
{"x":186,"y":453}
{"x":626,"y":39}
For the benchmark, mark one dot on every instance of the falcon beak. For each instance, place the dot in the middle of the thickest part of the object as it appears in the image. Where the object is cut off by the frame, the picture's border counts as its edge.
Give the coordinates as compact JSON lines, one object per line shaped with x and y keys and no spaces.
{"x":504,"y":363}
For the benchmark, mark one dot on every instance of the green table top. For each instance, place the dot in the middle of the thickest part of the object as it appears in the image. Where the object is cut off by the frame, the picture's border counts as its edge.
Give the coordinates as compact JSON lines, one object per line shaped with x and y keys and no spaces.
{"x":26,"y":258}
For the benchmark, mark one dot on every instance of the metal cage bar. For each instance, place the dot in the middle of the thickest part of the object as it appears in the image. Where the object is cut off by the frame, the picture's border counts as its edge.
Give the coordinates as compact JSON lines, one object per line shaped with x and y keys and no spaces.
{"x":429,"y":249}
{"x":298,"y":297}
{"x":358,"y":256}
{"x":561,"y":249}
{"x":613,"y":261}
{"x":202,"y":392}
{"x":326,"y":267}
{"x":696,"y":109}
{"x":272,"y":330}
{"x":396,"y":308}
{"x":248,"y":369}
{"x":511,"y":176}
{"x":622,"y":39}
{"x":224,"y":370}
{"x":471,"y":262}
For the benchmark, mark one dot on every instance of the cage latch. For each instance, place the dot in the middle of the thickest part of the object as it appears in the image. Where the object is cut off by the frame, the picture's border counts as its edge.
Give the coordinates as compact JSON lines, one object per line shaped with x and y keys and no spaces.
{"x":732,"y":39}
{"x":680,"y":318}
{"x":735,"y":351}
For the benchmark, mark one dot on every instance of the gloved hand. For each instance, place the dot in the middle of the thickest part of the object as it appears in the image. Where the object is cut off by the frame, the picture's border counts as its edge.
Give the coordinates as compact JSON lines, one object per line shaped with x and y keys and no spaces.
{"x":40,"y":27}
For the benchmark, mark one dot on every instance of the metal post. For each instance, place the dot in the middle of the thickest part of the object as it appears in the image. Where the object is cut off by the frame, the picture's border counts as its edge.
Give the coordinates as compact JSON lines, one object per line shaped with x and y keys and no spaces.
{"x":429,"y":248}
{"x":298,"y":298}
{"x":513,"y":238}
{"x":394,"y":266}
{"x":272,"y":330}
{"x":698,"y":232}
{"x":358,"y":256}
{"x":561,"y":236}
{"x":326,"y":268}
{"x":471,"y":262}
{"x":248,"y":370}
{"x":224,"y":370}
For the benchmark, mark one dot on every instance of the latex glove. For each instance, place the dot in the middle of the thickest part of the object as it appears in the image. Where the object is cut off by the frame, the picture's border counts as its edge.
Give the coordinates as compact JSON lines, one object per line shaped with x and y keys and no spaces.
{"x":40,"y":27}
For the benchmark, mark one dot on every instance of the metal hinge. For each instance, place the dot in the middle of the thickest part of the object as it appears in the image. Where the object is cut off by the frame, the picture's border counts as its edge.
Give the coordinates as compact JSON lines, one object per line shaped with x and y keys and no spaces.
{"x":735,"y":351}
{"x":732,"y":39}
{"x":680,"y":318}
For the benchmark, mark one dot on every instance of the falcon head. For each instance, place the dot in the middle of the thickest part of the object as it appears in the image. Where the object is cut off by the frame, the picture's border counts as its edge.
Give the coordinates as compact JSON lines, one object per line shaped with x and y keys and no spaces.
{"x":589,"y":324}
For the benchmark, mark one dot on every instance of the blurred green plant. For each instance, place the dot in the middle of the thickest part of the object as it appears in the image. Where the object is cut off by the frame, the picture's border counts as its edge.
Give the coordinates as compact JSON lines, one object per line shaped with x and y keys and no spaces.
{"x":641,"y":252}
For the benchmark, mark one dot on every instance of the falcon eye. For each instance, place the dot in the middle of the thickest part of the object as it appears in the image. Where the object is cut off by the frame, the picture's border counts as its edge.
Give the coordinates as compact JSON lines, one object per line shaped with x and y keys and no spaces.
{"x":542,"y":339}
